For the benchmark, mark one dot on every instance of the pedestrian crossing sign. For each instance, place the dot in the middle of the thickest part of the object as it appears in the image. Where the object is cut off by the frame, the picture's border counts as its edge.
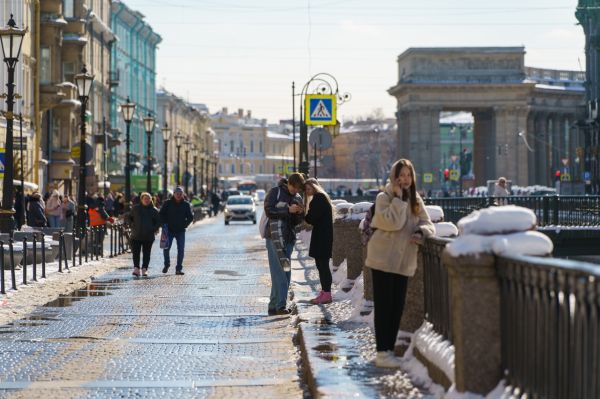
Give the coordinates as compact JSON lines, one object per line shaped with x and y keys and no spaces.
{"x":320,"y":109}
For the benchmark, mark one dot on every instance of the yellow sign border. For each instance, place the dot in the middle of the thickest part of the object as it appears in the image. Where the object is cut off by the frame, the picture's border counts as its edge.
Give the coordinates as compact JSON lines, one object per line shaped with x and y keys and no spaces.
{"x":307,"y":119}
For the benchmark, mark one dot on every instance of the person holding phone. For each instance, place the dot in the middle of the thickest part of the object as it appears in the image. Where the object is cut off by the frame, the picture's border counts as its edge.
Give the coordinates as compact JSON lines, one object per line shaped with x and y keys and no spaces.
{"x":400,"y":223}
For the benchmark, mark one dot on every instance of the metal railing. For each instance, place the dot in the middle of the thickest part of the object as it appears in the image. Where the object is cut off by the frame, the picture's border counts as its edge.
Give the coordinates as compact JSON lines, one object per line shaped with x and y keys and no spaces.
{"x":435,"y":283}
{"x":32,"y":251}
{"x":550,"y":325}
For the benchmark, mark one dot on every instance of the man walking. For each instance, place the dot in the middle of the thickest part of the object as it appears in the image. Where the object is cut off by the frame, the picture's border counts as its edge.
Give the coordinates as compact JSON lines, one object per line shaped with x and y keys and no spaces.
{"x":177,"y":214}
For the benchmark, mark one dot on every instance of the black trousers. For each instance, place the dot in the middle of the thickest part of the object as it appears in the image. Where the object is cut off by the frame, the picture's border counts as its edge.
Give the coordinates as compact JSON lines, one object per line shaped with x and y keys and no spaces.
{"x":145,"y":247}
{"x":389,"y":296}
{"x":324,"y":273}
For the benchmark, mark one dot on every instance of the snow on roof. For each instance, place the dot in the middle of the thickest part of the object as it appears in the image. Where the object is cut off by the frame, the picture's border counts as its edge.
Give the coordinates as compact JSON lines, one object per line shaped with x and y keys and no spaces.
{"x":274,"y":135}
{"x":458,"y":118}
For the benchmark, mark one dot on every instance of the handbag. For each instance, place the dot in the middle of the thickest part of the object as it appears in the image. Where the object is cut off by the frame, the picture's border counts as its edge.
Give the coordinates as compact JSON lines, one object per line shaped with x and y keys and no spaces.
{"x":164,"y":237}
{"x":264,"y":220}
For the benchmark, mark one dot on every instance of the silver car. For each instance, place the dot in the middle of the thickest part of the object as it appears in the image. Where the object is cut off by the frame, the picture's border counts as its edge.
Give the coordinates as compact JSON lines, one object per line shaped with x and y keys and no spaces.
{"x":240,"y":207}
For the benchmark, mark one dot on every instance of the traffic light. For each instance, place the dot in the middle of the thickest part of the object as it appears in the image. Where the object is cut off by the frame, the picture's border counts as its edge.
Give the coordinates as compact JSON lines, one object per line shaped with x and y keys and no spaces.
{"x":446,"y":174}
{"x":557,"y":176}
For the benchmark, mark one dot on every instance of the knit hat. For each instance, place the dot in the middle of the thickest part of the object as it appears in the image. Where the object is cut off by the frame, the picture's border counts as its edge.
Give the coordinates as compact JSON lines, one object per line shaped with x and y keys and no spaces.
{"x":178,"y":189}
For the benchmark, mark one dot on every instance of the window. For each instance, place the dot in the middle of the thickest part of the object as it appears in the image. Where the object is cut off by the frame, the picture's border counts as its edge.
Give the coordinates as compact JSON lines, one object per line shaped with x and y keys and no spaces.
{"x":232,"y":168}
{"x":69,"y":72}
{"x":45,"y":64}
{"x":242,"y":168}
{"x":260,"y":147}
{"x":252,"y":147}
{"x":69,"y":8}
{"x":231,"y":146}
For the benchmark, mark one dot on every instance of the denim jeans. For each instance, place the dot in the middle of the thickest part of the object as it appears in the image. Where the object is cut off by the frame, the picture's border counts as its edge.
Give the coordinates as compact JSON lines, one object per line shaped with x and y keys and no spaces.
{"x":54,"y":220}
{"x":280,"y":280}
{"x":180,"y":237}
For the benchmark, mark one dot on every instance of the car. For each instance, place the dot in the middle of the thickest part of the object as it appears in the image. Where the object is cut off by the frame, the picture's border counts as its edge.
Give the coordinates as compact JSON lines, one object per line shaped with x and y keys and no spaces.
{"x":260,"y":195}
{"x":240,"y":207}
{"x":372,"y":192}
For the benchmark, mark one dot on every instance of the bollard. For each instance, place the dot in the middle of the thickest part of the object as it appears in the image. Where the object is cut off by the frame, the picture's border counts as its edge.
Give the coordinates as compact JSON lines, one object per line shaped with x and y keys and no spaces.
{"x":43,"y":257}
{"x":24,"y":261}
{"x":2,"y":283}
{"x":87,"y":246}
{"x":34,"y":269}
{"x":12,"y":264}
{"x":63,"y":249}
{"x":111,"y":228}
{"x":60,"y":252}
{"x":80,"y":245}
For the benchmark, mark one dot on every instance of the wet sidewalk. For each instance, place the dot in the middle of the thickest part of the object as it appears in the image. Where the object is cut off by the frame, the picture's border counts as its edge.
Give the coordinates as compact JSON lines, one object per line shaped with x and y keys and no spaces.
{"x":205,"y":334}
{"x":338,"y":346}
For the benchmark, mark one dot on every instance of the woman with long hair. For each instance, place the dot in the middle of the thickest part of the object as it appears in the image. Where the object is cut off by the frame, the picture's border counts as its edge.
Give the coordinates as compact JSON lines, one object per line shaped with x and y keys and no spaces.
{"x":320,"y":216}
{"x":145,"y":222}
{"x":400,"y":223}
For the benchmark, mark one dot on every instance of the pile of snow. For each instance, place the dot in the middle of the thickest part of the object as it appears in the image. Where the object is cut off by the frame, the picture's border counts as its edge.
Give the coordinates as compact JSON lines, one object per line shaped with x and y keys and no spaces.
{"x":436,"y":213}
{"x":442,"y":229}
{"x":504,"y":230}
{"x":435,"y":348}
{"x":498,"y":220}
{"x":359,"y":210}
{"x":342,"y":209}
{"x":338,"y":201}
{"x":445,"y":229}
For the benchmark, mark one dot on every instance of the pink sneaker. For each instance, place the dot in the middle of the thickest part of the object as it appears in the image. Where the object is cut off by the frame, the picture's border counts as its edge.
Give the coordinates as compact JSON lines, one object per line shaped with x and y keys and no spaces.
{"x":315,"y":301}
{"x":323,"y":298}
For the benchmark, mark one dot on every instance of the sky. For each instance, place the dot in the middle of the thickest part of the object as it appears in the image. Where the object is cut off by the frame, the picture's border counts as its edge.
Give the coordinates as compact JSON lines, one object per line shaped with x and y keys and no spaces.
{"x":246,"y":53}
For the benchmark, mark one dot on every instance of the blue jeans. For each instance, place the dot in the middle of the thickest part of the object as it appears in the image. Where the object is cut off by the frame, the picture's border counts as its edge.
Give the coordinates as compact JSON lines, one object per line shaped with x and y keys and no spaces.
{"x":280,"y":280}
{"x":53,"y":221}
{"x":180,"y":237}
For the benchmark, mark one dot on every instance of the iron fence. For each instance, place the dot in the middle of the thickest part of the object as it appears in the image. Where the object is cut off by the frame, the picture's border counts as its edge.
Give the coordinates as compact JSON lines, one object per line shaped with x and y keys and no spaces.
{"x":550,"y":322}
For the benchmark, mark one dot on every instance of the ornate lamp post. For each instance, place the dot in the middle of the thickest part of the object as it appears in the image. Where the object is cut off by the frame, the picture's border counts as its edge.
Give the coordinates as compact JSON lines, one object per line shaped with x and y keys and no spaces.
{"x":178,"y":139}
{"x":166,"y":134}
{"x":149,"y":127}
{"x":84,"y":83}
{"x":128,"y":110}
{"x":195,"y":160}
{"x":188,"y":147}
{"x":202,"y":171}
{"x":11,"y":40}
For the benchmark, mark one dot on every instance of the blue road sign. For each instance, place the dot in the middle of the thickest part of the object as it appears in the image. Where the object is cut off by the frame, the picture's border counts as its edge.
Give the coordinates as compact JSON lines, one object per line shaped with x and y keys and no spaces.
{"x":320,"y":109}
{"x":587,"y":176}
{"x":2,"y":162}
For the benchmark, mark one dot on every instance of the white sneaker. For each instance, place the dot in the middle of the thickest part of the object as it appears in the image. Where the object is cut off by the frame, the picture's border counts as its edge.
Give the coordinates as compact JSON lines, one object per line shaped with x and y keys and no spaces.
{"x":387,"y":359}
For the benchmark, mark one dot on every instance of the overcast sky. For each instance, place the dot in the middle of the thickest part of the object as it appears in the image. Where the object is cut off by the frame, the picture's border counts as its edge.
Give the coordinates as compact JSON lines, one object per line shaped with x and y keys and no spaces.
{"x":246,"y":53}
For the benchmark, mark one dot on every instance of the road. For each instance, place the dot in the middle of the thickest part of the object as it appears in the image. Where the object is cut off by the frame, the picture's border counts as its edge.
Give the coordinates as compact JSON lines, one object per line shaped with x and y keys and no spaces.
{"x":205,"y":334}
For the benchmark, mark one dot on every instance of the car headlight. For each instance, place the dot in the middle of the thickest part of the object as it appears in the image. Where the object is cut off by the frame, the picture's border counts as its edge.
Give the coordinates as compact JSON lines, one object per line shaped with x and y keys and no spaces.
{"x":226,"y":211}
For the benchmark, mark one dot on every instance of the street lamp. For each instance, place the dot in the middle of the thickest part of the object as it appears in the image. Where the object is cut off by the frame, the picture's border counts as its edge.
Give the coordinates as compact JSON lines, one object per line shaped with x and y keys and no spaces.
{"x":166,"y":134}
{"x":128,"y":109}
{"x":84,"y":83}
{"x":178,"y":138}
{"x":195,"y":160}
{"x":188,"y":146}
{"x":149,"y":127}
{"x":11,"y":39}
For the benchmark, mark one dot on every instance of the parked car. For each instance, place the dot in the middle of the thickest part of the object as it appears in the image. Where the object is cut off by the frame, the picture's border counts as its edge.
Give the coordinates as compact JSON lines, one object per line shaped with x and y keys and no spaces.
{"x":372,"y":192}
{"x":240,"y":207}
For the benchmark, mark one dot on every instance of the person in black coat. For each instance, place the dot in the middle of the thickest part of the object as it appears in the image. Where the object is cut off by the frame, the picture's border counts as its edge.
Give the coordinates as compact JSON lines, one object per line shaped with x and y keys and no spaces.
{"x":320,"y":216}
{"x":145,"y":222}
{"x":36,"y":216}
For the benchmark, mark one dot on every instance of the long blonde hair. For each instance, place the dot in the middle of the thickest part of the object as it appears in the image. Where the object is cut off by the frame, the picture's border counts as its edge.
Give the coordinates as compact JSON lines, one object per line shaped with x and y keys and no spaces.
{"x":314,"y":183}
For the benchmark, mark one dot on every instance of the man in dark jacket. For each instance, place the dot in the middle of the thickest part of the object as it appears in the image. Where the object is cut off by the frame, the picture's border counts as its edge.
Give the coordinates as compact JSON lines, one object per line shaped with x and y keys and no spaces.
{"x":283,"y":207}
{"x":177,"y":214}
{"x":36,"y":216}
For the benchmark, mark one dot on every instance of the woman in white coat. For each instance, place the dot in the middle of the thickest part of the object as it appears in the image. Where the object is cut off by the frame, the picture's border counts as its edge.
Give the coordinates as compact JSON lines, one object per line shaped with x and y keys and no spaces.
{"x":400,"y":222}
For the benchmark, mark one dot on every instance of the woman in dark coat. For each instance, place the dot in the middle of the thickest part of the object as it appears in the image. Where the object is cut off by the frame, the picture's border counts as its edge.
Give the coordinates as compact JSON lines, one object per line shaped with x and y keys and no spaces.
{"x":320,"y":216}
{"x":145,"y":222}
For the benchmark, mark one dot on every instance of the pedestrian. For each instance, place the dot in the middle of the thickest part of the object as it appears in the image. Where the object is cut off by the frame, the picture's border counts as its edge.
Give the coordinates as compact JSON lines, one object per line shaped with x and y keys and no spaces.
{"x":54,"y":209}
{"x":283,"y":208}
{"x":400,"y":222}
{"x":36,"y":217}
{"x":176,"y":213}
{"x":320,"y":216}
{"x":110,"y":204}
{"x":68,"y":211}
{"x":145,"y":222}
{"x":98,"y":217}
{"x":359,"y":192}
{"x":119,"y":206}
{"x":500,"y":191}
{"x":216,"y":201}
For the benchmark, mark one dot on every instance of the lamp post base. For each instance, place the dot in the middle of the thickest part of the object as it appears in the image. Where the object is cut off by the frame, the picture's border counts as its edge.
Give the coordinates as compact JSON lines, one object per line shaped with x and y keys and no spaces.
{"x":7,"y":221}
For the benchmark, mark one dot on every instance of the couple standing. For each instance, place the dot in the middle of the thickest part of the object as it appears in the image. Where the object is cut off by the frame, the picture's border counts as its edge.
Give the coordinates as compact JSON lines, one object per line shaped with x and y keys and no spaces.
{"x":285,"y":211}
{"x":145,"y":220}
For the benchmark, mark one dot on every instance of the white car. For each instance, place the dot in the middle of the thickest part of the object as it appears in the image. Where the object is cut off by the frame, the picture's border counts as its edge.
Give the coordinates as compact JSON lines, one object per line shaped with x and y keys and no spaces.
{"x":240,"y":207}
{"x":259,"y":195}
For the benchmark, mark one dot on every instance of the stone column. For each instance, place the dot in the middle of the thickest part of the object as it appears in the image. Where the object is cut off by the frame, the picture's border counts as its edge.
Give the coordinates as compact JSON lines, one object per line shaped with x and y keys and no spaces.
{"x":403,"y":139}
{"x":484,"y":147}
{"x":475,"y":321}
{"x":527,"y":144}
{"x":367,"y":278}
{"x":414,"y":308}
{"x":338,"y":254}
{"x":425,"y":140}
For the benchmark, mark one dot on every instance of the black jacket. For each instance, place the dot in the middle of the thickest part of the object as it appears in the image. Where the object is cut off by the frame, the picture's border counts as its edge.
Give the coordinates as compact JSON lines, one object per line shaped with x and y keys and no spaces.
{"x":176,"y":215}
{"x":290,"y":221}
{"x":144,"y":221}
{"x":321,"y":218}
{"x":35,"y":214}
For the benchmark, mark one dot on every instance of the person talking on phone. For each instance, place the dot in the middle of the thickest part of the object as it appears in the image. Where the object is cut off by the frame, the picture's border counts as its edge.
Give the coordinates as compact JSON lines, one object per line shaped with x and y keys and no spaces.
{"x":400,"y":224}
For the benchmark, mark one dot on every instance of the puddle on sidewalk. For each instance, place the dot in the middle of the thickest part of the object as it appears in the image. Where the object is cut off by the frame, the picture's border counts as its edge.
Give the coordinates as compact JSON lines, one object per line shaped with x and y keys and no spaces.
{"x":228,"y":273}
{"x":68,"y":300}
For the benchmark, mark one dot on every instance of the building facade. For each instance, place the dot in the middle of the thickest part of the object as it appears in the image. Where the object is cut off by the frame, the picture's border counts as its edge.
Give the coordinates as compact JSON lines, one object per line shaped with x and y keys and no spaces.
{"x":195,"y":157}
{"x":133,"y":74}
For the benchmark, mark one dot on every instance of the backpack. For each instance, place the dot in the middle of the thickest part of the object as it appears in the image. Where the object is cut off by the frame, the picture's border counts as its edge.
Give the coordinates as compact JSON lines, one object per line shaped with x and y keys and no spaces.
{"x":264,"y":220}
{"x":367,"y":231}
